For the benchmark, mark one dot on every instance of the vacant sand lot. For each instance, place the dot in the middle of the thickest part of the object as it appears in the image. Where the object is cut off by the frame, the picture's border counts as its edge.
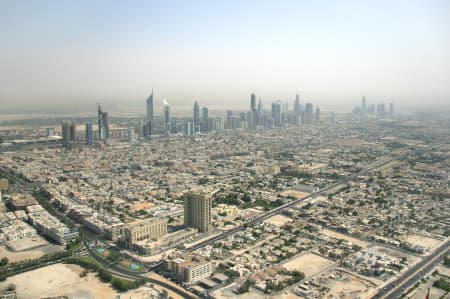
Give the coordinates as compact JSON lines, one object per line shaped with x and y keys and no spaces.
{"x":422,"y":240}
{"x":278,"y":220}
{"x":28,"y":254}
{"x":337,"y":235}
{"x":59,"y":280}
{"x":294,"y":193}
{"x":349,"y":286}
{"x":309,"y":264}
{"x":27,"y":243}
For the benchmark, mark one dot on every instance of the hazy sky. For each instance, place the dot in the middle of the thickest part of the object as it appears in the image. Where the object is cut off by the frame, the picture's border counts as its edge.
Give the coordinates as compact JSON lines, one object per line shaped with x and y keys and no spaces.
{"x":69,"y":53}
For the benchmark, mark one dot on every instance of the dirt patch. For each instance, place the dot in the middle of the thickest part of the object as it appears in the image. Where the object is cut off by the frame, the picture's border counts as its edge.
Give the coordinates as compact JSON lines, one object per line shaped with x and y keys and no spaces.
{"x":59,"y":280}
{"x":294,"y":193}
{"x":26,"y":244}
{"x":421,"y":240}
{"x":337,"y":235}
{"x":278,"y":220}
{"x":309,"y":264}
{"x":28,"y":254}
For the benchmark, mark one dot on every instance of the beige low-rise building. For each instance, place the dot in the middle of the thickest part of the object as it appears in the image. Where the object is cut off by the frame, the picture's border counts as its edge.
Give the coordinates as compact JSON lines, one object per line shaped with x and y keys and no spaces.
{"x":152,"y":228}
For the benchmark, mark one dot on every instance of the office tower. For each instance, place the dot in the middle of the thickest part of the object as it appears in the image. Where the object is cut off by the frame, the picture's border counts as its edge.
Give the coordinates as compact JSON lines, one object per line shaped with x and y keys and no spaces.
{"x":260,"y":112}
{"x":363,"y":106}
{"x":149,"y":117}
{"x":166,"y":116}
{"x":229,"y":114}
{"x":65,"y":133}
{"x":149,"y":114}
{"x":381,"y":110}
{"x":131,"y":134}
{"x":147,"y":129}
{"x":72,"y":131}
{"x":196,"y":117}
{"x":297,"y":107}
{"x":204,"y":119}
{"x":317,"y":114}
{"x":50,"y":132}
{"x":276,"y":113}
{"x":89,"y":133}
{"x":309,"y":114}
{"x":253,"y":102}
{"x":197,"y":211}
{"x":391,"y":109}
{"x":103,"y":124}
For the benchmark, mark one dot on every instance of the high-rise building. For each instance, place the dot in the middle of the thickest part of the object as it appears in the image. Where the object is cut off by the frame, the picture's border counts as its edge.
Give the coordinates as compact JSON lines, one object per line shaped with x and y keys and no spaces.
{"x":166,"y":116}
{"x":317,"y":114}
{"x":309,"y":113}
{"x":197,"y":211}
{"x":205,"y":119}
{"x":89,"y":133}
{"x":381,"y":110}
{"x":253,"y":102}
{"x":149,"y":114}
{"x":147,"y":129}
{"x":72,"y":131}
{"x":196,"y":117}
{"x":103,"y":124}
{"x":276,"y":114}
{"x":363,"y":106}
{"x":65,"y":133}
{"x":50,"y":132}
{"x":391,"y":109}
{"x":131,"y":134}
{"x":297,"y":107}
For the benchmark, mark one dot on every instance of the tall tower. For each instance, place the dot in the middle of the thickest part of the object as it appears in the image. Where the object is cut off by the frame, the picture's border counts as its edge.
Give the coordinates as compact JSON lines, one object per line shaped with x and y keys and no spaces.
{"x":103,"y":124}
{"x":197,"y":211}
{"x":363,"y":106}
{"x":309,"y":113}
{"x":65,"y":133}
{"x":89,"y":133}
{"x":276,"y":113}
{"x":205,"y":119}
{"x":196,"y":116}
{"x":297,"y":108}
{"x":317,"y":114}
{"x":253,"y":102}
{"x":149,"y":117}
{"x":391,"y":109}
{"x":166,"y":115}
{"x":149,"y":114}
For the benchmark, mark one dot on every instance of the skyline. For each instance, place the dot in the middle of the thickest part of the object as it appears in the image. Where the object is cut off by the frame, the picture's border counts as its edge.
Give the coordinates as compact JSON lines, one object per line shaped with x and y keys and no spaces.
{"x":61,"y":54}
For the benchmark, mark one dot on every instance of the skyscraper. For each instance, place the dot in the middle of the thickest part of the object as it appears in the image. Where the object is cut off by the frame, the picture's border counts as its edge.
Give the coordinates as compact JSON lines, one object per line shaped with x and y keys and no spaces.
{"x":196,"y":116}
{"x":363,"y":106}
{"x":166,"y":115}
{"x":149,"y":117}
{"x":297,"y":107}
{"x":89,"y":133}
{"x":205,"y":119}
{"x":197,"y":211}
{"x":103,"y":124}
{"x":65,"y":133}
{"x":72,"y":131}
{"x":309,"y":113}
{"x":253,"y":102}
{"x":260,"y":112}
{"x":150,"y":107}
{"x":317,"y":114}
{"x":391,"y":109}
{"x":276,"y":114}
